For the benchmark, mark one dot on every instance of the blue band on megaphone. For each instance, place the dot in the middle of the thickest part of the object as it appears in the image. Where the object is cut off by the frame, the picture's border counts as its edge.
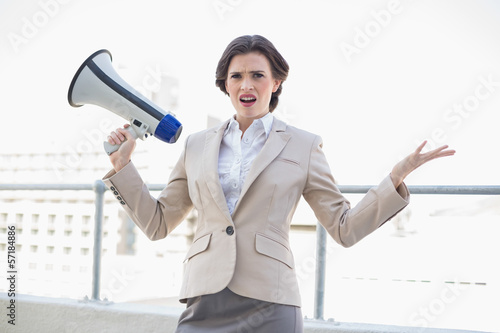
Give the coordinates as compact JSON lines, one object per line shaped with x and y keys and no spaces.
{"x":168,"y":129}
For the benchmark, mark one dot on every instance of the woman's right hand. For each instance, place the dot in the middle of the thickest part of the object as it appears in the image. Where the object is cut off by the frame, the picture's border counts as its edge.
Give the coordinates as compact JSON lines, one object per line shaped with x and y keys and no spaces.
{"x":122,"y":156}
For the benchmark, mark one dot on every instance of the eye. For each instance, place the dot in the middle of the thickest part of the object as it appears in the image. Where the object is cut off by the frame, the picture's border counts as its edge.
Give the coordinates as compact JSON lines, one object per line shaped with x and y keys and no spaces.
{"x":258,"y":75}
{"x":235,"y":76}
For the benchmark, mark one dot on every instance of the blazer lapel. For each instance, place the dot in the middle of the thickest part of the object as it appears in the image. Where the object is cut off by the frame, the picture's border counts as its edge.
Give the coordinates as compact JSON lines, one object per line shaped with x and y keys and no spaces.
{"x":275,"y":143}
{"x":210,"y":164}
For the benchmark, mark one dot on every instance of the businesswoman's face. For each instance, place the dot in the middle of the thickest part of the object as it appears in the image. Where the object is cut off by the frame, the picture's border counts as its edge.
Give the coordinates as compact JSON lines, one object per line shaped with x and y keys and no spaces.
{"x":250,"y":85}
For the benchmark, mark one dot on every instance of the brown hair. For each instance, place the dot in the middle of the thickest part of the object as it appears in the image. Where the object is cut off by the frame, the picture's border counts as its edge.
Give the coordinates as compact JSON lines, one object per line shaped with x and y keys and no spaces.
{"x":247,"y":44}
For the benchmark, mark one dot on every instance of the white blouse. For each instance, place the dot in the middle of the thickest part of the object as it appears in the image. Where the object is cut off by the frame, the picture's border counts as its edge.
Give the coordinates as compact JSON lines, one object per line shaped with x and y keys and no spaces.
{"x":237,"y":154}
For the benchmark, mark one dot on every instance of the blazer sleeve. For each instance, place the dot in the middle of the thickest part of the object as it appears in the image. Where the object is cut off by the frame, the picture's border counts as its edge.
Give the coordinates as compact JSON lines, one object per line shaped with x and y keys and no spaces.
{"x":156,"y":217}
{"x":345,"y":224}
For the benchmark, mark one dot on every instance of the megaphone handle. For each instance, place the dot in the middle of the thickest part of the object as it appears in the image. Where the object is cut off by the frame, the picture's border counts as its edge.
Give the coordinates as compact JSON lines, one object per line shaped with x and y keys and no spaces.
{"x":110,"y":149}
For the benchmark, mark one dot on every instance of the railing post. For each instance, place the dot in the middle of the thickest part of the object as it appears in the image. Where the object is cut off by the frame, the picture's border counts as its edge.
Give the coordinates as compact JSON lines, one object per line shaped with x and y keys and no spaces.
{"x":99,"y":189}
{"x":319,"y":291}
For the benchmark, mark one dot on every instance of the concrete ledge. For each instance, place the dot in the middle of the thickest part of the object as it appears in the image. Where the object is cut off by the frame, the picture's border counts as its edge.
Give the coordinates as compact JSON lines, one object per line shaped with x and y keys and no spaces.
{"x":311,"y":326}
{"x":43,"y":314}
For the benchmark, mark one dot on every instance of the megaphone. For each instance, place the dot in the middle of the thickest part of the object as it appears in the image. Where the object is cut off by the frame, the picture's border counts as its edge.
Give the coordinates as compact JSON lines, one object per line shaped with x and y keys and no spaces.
{"x":96,"y":82}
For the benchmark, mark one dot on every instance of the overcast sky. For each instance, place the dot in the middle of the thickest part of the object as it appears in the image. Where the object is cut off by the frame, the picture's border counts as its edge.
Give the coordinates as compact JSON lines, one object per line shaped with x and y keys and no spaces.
{"x":373,"y":78}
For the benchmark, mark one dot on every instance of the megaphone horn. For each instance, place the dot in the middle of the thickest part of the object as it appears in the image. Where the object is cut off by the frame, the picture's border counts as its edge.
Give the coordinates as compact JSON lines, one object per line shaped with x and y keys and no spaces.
{"x":96,"y":82}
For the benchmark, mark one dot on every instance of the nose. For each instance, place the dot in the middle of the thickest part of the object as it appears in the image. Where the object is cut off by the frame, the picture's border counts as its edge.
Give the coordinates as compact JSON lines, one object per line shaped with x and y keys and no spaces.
{"x":246,"y":84}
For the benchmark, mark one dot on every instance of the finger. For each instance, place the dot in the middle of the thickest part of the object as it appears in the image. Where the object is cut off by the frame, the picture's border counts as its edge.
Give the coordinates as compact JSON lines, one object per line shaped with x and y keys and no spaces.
{"x":419,"y":148}
{"x":113,"y":138}
{"x":449,"y":152}
{"x":442,"y":150}
{"x":126,"y":133}
{"x":440,"y":153}
{"x":120,"y":133}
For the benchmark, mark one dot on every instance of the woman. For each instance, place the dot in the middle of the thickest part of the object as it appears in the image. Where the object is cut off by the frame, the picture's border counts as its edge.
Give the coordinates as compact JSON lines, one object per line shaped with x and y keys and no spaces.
{"x":245,"y":178}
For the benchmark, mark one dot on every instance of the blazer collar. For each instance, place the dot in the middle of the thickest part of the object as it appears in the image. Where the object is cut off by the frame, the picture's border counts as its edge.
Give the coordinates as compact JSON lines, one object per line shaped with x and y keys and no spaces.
{"x":210,"y":164}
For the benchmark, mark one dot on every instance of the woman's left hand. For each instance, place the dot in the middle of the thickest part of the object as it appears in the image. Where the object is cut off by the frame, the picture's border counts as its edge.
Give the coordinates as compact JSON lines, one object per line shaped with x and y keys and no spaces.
{"x":416,"y":159}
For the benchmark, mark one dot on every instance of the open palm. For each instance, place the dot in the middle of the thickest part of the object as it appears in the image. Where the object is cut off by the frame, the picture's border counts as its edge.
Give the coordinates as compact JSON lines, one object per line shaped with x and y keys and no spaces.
{"x":416,"y":159}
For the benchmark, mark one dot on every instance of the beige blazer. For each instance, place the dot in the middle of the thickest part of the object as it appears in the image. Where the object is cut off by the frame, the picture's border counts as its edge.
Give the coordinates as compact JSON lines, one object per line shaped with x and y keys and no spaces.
{"x":249,"y":251}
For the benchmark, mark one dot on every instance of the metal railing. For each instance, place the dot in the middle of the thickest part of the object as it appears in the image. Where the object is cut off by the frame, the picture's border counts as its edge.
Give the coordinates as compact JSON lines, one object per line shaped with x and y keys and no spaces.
{"x":99,"y":189}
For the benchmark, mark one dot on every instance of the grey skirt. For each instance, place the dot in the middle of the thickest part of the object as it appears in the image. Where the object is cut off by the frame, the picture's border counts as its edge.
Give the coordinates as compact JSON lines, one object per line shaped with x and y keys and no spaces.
{"x":227,"y":312}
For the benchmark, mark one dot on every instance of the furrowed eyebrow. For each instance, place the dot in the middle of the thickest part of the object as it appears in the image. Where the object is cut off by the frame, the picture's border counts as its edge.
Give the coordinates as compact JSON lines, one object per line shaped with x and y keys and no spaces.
{"x":251,"y":72}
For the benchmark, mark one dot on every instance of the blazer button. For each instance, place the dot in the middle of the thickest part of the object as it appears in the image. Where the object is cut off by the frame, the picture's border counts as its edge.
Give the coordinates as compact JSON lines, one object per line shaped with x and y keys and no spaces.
{"x":112,"y":188}
{"x":230,"y":230}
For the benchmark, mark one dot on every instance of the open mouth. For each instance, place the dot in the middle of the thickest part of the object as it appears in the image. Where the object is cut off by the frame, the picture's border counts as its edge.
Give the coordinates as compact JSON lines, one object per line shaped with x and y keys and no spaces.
{"x":247,"y":99}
